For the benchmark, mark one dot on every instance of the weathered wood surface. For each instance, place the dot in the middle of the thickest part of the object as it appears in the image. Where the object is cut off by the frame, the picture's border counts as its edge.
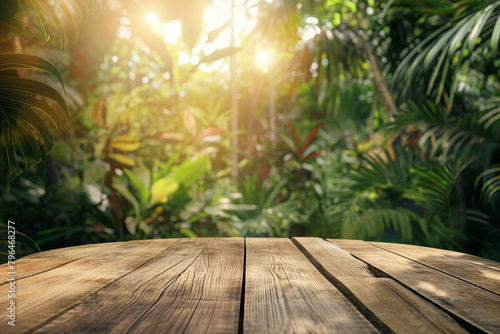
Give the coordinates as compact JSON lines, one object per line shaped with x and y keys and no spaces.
{"x":194,"y":286}
{"x":284,"y":293}
{"x":390,"y":305}
{"x":478,"y":308}
{"x":252,"y":285}
{"x":484,"y":277}
{"x":45,"y":295}
{"x":33,"y":264}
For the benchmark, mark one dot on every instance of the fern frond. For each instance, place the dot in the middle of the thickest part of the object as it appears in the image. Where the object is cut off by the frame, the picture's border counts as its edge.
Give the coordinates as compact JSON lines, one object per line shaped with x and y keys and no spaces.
{"x":435,"y":185}
{"x":374,"y":222}
{"x":490,"y":179}
{"x":451,"y":136}
{"x":445,"y":50}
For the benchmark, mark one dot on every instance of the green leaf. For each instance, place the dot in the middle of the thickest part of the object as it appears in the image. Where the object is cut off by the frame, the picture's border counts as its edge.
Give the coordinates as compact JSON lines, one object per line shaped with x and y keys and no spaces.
{"x":21,"y":238}
{"x":140,"y":179}
{"x":121,"y":186}
{"x":11,"y":61}
{"x":162,"y":189}
{"x":15,"y":85}
{"x":495,"y":37}
{"x":9,"y":30}
{"x":191,"y":171}
{"x":126,"y":144}
{"x":189,"y":233}
{"x":123,"y":159}
{"x":28,"y":145}
{"x":95,"y":172}
{"x":29,"y":101}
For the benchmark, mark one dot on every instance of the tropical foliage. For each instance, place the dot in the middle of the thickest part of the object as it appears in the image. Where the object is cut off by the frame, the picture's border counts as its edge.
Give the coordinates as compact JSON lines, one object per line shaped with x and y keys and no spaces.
{"x":382,"y":122}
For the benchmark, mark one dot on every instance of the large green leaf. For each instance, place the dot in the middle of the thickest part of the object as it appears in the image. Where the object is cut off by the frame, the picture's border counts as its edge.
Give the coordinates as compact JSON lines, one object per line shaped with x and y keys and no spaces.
{"x":19,"y":117}
{"x":191,"y":171}
{"x":432,"y":67}
{"x":14,"y":86}
{"x":21,"y":239}
{"x":140,"y":178}
{"x":11,"y":61}
{"x":162,"y":189}
{"x":59,"y":15}
{"x":121,"y":186}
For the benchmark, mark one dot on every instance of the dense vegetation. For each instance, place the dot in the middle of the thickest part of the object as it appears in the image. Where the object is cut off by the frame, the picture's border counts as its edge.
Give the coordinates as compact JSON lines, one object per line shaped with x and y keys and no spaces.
{"x":362,"y":119}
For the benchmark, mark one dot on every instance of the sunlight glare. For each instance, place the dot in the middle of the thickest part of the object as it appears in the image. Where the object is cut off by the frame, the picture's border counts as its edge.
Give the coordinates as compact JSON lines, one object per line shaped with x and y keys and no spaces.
{"x":172,"y":31}
{"x":183,"y":58}
{"x":218,"y":14}
{"x":263,"y":60}
{"x":151,"y":17}
{"x":124,"y":32}
{"x":195,"y":60}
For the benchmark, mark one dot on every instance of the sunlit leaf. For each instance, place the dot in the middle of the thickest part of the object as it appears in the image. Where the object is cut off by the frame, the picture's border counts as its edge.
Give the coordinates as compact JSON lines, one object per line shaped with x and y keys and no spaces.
{"x":15,"y":85}
{"x":140,"y":179}
{"x":162,"y":189}
{"x":123,"y":159}
{"x":121,"y":186}
{"x":126,"y":144}
{"x":189,"y":172}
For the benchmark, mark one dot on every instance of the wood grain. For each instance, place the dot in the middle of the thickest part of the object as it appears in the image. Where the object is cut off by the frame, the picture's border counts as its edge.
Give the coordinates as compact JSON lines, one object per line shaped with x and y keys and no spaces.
{"x":389,"y":305}
{"x":480,"y":309}
{"x":284,"y":293}
{"x":472,"y":259}
{"x":194,"y":287}
{"x":197,"y":285}
{"x":43,"y":296}
{"x":44,"y":261}
{"x":484,"y":277}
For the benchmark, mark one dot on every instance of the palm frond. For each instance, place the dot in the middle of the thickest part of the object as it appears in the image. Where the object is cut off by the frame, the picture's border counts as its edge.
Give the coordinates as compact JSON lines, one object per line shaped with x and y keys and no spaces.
{"x":21,"y":238}
{"x":65,"y":16}
{"x":435,"y":185}
{"x":375,"y":221}
{"x":23,"y":101}
{"x":445,"y":50}
{"x":19,"y":113}
{"x":384,"y":170}
{"x":490,"y":180}
{"x":401,"y":193}
{"x":333,"y":54}
{"x":451,"y":136}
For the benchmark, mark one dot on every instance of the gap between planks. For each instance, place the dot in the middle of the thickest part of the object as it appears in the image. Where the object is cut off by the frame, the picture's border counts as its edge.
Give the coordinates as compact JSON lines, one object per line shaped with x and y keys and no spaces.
{"x":483,"y":277}
{"x":388,"y":305}
{"x":55,"y":282}
{"x":285,"y":293}
{"x":193,"y":287}
{"x":472,"y":307}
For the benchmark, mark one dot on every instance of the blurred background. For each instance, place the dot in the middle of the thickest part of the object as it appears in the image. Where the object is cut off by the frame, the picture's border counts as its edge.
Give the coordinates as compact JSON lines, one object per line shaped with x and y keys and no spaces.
{"x":362,"y":119}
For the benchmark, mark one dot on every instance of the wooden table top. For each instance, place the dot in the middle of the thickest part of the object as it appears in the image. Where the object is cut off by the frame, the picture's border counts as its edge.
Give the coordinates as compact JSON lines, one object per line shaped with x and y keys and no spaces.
{"x":252,"y":285}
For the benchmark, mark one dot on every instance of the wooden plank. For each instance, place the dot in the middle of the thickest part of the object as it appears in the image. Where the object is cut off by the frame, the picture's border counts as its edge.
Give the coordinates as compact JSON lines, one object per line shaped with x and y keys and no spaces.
{"x":194,"y":287}
{"x":478,"y":308}
{"x":388,"y":304}
{"x":285,"y":293}
{"x":478,"y":261}
{"x":43,"y":261}
{"x":483,"y":277}
{"x":40,"y":297}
